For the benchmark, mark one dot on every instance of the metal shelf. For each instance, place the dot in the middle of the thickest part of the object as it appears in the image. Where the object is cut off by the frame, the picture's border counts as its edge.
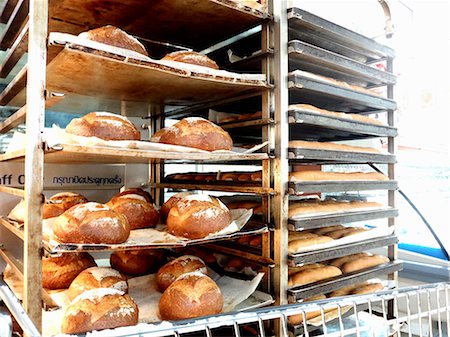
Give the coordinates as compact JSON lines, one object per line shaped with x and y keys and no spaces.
{"x":301,"y":187}
{"x":308,"y":155}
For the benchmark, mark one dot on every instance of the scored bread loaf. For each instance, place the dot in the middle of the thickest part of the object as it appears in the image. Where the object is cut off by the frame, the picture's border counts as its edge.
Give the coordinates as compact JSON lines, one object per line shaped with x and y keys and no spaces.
{"x":321,"y":176}
{"x":58,"y":272}
{"x":97,"y":309}
{"x":329,"y":146}
{"x":191,"y":57}
{"x":137,"y":262}
{"x":197,"y":133}
{"x":116,"y":37}
{"x":104,"y":125}
{"x":91,"y":223}
{"x":97,"y":277}
{"x":197,"y":216}
{"x":189,"y":296}
{"x":139,"y":212}
{"x":168,"y":273}
{"x":363,"y":263}
{"x":165,"y":208}
{"x":311,"y":275}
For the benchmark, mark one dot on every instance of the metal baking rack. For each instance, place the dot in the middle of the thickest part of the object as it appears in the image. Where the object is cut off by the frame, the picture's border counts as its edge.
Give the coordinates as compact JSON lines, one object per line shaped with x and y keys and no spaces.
{"x":313,"y":91}
{"x":319,"y":255}
{"x":327,"y":286}
{"x":330,"y":128}
{"x":317,"y":60}
{"x":331,"y":156}
{"x":323,"y":33}
{"x":318,"y":221}
{"x":301,"y":187}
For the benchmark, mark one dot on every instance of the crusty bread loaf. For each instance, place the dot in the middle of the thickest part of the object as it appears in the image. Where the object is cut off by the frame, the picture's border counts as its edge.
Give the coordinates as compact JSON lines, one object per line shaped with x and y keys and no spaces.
{"x":137,"y":262}
{"x":363,"y":263}
{"x":307,"y":207}
{"x":295,"y":245}
{"x":97,"y":309}
{"x":325,"y":230}
{"x":191,"y":57}
{"x":197,"y":133}
{"x":165,"y":208}
{"x":295,"y":270}
{"x":345,"y":290}
{"x":53,"y":207}
{"x":313,"y":275}
{"x":367,"y":288}
{"x":197,"y":216}
{"x":329,"y":146}
{"x":104,"y":125}
{"x":168,"y":273}
{"x":191,"y":295}
{"x":343,"y":232}
{"x":335,"y":176}
{"x":299,"y":318}
{"x":338,"y":262}
{"x":116,"y":37}
{"x":91,"y":223}
{"x":97,"y":277}
{"x":58,"y":272}
{"x":139,"y":212}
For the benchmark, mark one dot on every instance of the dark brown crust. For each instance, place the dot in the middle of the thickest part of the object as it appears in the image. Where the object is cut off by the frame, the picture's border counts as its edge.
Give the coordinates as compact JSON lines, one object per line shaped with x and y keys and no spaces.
{"x":116,"y":37}
{"x":197,"y":133}
{"x":58,"y":272}
{"x":191,"y":57}
{"x":87,"y":226}
{"x":168,"y":273}
{"x":107,"y":127}
{"x":137,"y":262}
{"x":190,"y":297}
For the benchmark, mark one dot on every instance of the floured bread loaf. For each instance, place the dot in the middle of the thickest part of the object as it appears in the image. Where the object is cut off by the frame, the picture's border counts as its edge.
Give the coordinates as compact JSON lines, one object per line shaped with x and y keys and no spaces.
{"x":58,"y":272}
{"x":116,"y":37}
{"x":91,"y":223}
{"x":197,"y":133}
{"x":104,"y":125}
{"x":189,"y":296}
{"x":97,"y":277}
{"x":191,"y":57}
{"x":168,"y":273}
{"x":138,"y":209}
{"x":197,"y":216}
{"x":98,"y":309}
{"x":165,"y":208}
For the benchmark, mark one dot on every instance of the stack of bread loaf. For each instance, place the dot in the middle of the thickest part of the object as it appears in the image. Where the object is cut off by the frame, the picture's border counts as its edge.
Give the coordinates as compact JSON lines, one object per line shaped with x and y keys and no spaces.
{"x":315,"y":206}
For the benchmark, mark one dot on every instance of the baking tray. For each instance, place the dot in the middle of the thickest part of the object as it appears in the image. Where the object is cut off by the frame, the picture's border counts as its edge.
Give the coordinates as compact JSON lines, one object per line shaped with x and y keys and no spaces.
{"x":326,"y":286}
{"x":301,"y":154}
{"x":318,"y":221}
{"x":330,"y":128}
{"x":304,"y":89}
{"x":325,"y":34}
{"x":301,"y":187}
{"x":300,"y":259}
{"x":314,"y":59}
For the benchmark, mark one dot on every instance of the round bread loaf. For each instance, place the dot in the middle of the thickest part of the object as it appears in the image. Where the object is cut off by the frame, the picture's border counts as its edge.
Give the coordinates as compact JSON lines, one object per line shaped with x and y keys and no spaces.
{"x":59,"y":272}
{"x":165,"y":208}
{"x":98,"y":309}
{"x":197,"y":216}
{"x":191,"y":57}
{"x":168,"y":273}
{"x":135,"y":207}
{"x":116,"y":37}
{"x":197,"y":133}
{"x":91,"y":223}
{"x":97,"y":277}
{"x":191,"y":295}
{"x":104,"y":125}
{"x":137,"y":262}
{"x":138,"y":191}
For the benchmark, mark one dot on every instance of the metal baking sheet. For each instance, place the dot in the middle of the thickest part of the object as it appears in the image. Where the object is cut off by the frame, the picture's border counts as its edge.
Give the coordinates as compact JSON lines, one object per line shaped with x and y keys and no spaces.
{"x":338,"y":251}
{"x":326,"y":286}
{"x":301,"y":154}
{"x":318,"y":221}
{"x":330,"y":128}
{"x":328,"y":35}
{"x":301,"y":187}
{"x":314,"y":59}
{"x":318,"y":93}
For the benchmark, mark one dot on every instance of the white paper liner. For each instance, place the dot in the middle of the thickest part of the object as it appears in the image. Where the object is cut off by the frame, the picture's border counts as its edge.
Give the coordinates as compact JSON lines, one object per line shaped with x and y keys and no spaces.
{"x":160,"y":237}
{"x":63,"y":38}
{"x":144,"y":291}
{"x":368,"y":234}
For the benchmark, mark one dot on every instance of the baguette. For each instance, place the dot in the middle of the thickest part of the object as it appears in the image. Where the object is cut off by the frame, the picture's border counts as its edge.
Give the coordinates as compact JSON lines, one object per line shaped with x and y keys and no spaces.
{"x":329,"y":146}
{"x":363,"y":263}
{"x":367,"y":289}
{"x":298,"y":319}
{"x":339,"y":262}
{"x":339,"y":176}
{"x":313,"y":275}
{"x":295,"y":270}
{"x":343,"y":232}
{"x":325,"y":230}
{"x":296,"y":245}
